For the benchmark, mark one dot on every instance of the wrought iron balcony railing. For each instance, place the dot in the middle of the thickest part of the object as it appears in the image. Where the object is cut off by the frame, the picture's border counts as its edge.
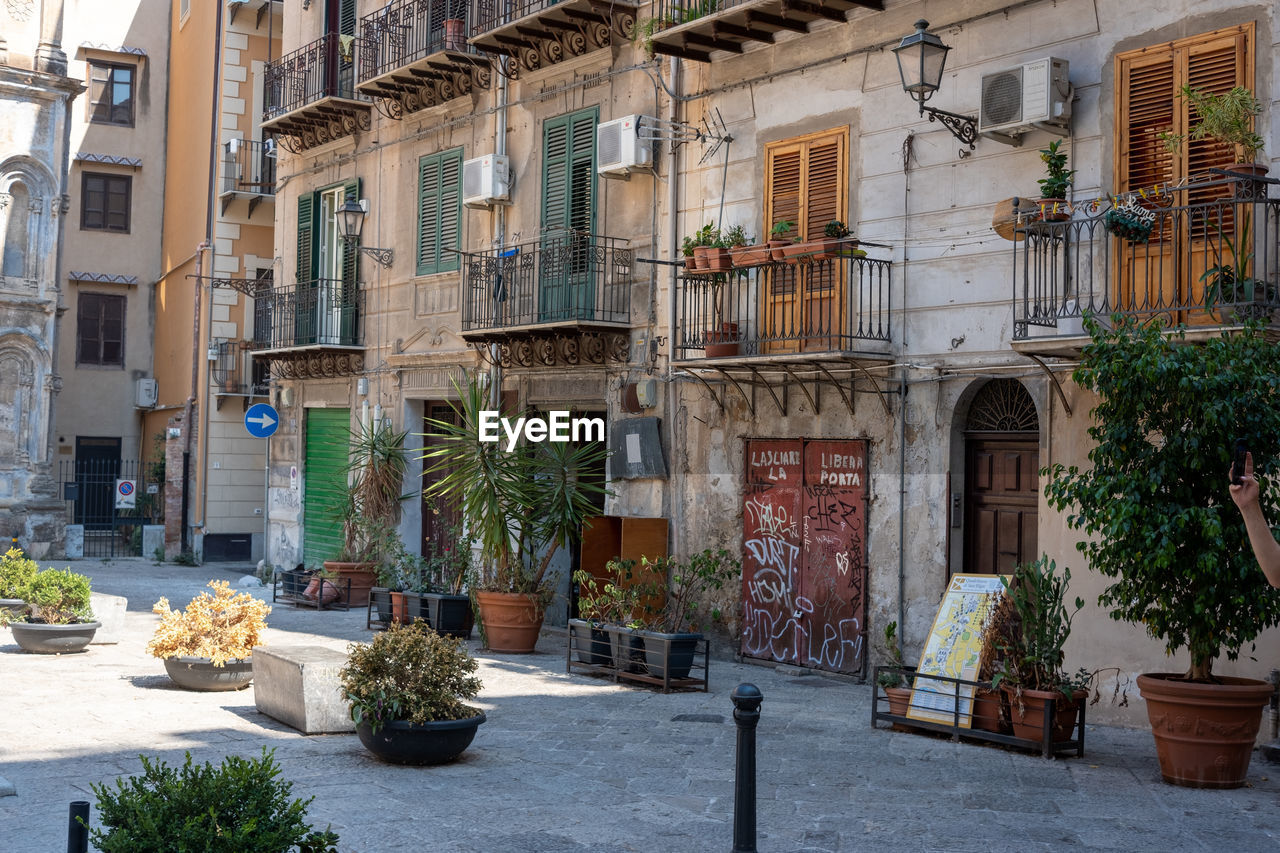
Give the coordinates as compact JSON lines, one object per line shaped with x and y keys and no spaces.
{"x":405,"y":31}
{"x":248,"y":167}
{"x":827,"y":306}
{"x":1211,"y":261}
{"x":565,"y":278}
{"x":235,"y":371}
{"x":313,"y":314}
{"x":323,"y":69}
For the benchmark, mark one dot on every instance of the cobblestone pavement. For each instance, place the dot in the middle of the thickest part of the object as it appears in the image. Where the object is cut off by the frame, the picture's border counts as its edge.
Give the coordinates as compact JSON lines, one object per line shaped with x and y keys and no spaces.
{"x":574,"y":763}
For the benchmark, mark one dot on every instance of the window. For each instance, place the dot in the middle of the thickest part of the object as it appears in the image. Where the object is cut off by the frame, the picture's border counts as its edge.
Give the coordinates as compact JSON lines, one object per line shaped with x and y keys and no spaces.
{"x":111,"y":93}
{"x":569,"y":172}
{"x":328,"y":269}
{"x":100,"y":329}
{"x":439,"y":211}
{"x":104,"y":202}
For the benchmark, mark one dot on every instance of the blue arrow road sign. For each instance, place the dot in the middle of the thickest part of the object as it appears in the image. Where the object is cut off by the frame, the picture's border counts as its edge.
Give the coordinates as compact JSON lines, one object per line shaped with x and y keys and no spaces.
{"x":261,"y":420}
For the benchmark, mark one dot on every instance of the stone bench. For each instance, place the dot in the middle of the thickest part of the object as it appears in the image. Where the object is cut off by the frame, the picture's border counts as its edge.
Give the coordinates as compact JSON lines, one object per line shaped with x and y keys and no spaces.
{"x":298,"y":685}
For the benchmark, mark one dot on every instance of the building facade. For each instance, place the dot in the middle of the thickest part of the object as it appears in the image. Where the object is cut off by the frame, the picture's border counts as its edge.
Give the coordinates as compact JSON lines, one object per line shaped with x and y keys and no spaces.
{"x":37,"y":98}
{"x":858,"y":427}
{"x":218,"y":253}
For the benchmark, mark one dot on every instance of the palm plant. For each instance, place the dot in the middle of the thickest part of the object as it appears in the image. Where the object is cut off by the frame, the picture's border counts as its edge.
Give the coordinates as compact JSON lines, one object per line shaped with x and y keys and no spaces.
{"x":521,"y":506}
{"x":375,"y":474}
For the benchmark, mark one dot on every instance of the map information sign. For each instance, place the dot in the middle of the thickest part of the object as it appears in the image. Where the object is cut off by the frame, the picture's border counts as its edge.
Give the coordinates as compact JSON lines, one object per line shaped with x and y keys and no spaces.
{"x":954,"y":650}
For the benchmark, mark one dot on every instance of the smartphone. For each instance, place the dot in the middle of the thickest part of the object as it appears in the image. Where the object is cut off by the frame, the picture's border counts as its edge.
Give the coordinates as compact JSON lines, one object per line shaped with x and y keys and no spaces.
{"x":1237,"y":462}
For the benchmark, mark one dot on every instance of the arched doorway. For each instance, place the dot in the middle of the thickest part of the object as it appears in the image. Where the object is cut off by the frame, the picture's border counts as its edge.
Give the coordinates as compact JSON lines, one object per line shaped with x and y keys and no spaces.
{"x":1002,"y":461}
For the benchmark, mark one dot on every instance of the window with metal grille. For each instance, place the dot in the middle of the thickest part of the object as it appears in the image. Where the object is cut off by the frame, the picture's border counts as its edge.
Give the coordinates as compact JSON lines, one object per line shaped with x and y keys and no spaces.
{"x":439,"y":211}
{"x":111,"y":87}
{"x":100,"y":329}
{"x":104,"y":202}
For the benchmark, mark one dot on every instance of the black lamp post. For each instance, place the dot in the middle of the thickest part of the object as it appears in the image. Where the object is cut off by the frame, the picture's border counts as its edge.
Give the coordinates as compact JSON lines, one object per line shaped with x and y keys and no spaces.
{"x":921,"y":59}
{"x":352,"y":213}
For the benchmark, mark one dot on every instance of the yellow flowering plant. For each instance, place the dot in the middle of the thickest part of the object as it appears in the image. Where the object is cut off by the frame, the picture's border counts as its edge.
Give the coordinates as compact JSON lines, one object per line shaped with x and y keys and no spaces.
{"x":222,"y":627}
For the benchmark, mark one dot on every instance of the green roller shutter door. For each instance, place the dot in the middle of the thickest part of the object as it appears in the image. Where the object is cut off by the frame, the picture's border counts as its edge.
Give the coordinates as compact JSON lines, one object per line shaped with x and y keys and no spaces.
{"x":325,"y":489}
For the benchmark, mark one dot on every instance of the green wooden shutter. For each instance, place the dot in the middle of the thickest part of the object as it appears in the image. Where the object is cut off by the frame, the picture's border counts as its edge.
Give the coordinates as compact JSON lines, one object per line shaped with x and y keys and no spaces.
{"x":350,"y":288}
{"x":566,"y":290}
{"x":304,"y":291}
{"x":439,"y":211}
{"x":347,"y":17}
{"x":324,"y":483}
{"x":555,"y":179}
{"x":582,"y":171}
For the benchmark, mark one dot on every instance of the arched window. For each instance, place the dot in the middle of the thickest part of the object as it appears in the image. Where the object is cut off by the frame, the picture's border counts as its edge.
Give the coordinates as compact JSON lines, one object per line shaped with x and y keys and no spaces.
{"x":14,"y":216}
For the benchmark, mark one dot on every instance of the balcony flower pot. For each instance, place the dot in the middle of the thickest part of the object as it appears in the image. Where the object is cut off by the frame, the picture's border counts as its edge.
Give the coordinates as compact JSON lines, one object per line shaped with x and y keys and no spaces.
{"x":450,"y":615}
{"x":701,"y":257}
{"x":722,"y":342}
{"x":46,"y":639}
{"x":455,"y":36}
{"x":1204,"y":733}
{"x":1027,"y":712}
{"x":749,"y":256}
{"x":436,"y":742}
{"x":363,"y":576}
{"x":777,"y":249}
{"x":717,"y":259}
{"x":199,"y":673}
{"x":592,"y":643}
{"x":1053,"y":210}
{"x":669,"y":655}
{"x":512,"y":620}
{"x":1250,"y":187}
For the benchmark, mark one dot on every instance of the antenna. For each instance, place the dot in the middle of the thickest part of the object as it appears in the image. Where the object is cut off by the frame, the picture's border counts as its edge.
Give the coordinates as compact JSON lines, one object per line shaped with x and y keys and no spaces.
{"x":710,"y":132}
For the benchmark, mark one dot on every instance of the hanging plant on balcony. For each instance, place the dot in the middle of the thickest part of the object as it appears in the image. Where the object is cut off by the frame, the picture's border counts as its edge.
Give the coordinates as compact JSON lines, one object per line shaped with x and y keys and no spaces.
{"x":1130,"y":221}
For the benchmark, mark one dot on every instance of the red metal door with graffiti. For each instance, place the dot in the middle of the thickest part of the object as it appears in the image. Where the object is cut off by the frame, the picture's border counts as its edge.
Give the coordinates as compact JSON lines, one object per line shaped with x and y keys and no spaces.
{"x":804,"y":567}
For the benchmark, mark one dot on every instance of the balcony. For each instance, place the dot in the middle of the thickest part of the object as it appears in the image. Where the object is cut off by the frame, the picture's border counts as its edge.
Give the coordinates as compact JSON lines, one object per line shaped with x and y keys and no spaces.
{"x":561,"y":300}
{"x":1211,"y":260}
{"x":311,"y":97}
{"x":817,"y":323}
{"x":248,"y":172}
{"x":312,"y":329}
{"x":692,"y":29}
{"x":414,"y":55}
{"x":532,"y":34}
{"x":259,"y":8}
{"x":236,"y":373}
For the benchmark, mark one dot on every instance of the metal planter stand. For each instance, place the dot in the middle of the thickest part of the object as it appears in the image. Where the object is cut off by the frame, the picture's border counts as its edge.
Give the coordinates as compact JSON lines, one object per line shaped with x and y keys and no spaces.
{"x":587,"y":653}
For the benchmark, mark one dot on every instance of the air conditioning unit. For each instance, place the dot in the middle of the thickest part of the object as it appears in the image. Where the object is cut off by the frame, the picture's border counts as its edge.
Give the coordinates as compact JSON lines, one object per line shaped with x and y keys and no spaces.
{"x":486,"y":181}
{"x":145,"y":393}
{"x":619,"y":148}
{"x":1033,"y":96}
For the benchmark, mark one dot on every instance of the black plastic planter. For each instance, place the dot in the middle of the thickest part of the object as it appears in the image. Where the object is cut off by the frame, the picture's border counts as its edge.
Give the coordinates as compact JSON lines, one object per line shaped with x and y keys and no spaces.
{"x":591,"y":643}
{"x":669,"y":655}
{"x":196,"y":673}
{"x":399,"y":742}
{"x":450,"y":615}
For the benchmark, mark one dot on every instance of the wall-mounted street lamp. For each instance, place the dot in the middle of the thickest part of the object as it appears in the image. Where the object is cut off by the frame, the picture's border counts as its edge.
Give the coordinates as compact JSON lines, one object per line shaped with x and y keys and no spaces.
{"x":352,"y":213}
{"x":921,"y":58}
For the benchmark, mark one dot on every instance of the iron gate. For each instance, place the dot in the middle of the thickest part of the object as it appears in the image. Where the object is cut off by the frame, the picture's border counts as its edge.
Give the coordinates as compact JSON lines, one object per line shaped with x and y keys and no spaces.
{"x":97,"y":493}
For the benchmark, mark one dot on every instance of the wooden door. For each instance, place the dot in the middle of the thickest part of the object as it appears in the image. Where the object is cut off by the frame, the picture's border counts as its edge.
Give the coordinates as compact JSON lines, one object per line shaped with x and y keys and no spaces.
{"x":806,"y":183}
{"x":1001,"y":498}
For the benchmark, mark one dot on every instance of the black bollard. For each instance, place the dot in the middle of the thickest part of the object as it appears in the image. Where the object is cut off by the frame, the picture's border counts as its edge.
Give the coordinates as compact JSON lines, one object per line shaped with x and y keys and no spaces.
{"x":746,"y":713}
{"x":78,"y":827}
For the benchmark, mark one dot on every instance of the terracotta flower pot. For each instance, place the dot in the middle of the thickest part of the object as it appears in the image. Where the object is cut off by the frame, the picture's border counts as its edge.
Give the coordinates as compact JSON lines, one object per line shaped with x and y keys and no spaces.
{"x":899,"y":700}
{"x":1204,"y":732}
{"x":986,"y":710}
{"x":776,"y":248}
{"x":320,"y":587}
{"x":1027,"y":714}
{"x":749,"y":256}
{"x":718,"y":259}
{"x":399,"y":612}
{"x":1053,"y":209}
{"x":363,"y":577}
{"x":511,"y":621}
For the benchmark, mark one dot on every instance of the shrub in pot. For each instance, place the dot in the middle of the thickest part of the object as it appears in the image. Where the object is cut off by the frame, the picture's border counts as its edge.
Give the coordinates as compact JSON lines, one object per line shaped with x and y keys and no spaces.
{"x":673,"y":633}
{"x":779,"y":238}
{"x":1032,"y":649}
{"x":520,"y":505}
{"x":57,"y":617}
{"x":897,"y":689}
{"x":240,"y":806}
{"x":407,"y":691}
{"x":1056,"y":183}
{"x":16,"y":574}
{"x":1228,"y":117}
{"x":1161,"y":526}
{"x":612,"y":610}
{"x":209,"y":645}
{"x":446,"y":573}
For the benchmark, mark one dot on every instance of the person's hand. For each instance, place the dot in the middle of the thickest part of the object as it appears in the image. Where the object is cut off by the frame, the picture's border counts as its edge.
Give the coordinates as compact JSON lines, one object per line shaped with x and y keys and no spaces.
{"x":1247,"y":492}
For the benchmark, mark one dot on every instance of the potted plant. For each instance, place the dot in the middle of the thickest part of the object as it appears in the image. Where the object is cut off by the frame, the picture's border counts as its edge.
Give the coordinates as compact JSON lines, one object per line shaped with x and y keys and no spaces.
{"x":672,"y":635}
{"x":1130,"y":221}
{"x":446,"y":572}
{"x":990,"y":709}
{"x":16,"y":574}
{"x":1231,"y":279}
{"x":56,"y":618}
{"x":742,"y":252}
{"x":778,"y":238}
{"x":520,"y":506}
{"x":689,"y":249}
{"x":241,"y":805}
{"x":645,"y":29}
{"x":609,"y":609}
{"x":209,"y":646}
{"x":371,"y":507}
{"x":455,"y":27}
{"x":1030,"y":673}
{"x":1056,"y":183}
{"x":407,"y":691}
{"x":1229,"y":118}
{"x":894,"y":682}
{"x":703,"y":242}
{"x":1160,"y":526}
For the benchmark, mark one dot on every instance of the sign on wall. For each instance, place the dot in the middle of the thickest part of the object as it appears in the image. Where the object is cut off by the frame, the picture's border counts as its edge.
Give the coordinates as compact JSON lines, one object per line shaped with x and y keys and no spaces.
{"x":126,"y":494}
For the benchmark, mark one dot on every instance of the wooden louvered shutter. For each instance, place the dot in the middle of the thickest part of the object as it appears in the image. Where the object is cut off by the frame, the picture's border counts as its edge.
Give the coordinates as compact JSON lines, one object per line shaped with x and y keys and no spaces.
{"x":555,"y":183}
{"x":350,"y":289}
{"x":582,"y":171}
{"x":428,"y":214}
{"x":306,"y":234}
{"x":806,"y":183}
{"x":566,"y":287}
{"x":1163,"y":275}
{"x":450,"y":210}
{"x":347,"y":17}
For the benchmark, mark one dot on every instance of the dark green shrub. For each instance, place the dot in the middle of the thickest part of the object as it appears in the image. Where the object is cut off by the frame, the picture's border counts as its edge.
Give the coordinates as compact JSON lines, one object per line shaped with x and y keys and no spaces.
{"x":16,"y":574}
{"x":59,"y":596}
{"x":239,"y":807}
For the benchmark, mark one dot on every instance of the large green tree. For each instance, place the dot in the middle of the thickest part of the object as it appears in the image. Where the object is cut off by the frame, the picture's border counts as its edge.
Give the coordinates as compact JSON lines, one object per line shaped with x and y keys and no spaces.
{"x":1155,"y":502}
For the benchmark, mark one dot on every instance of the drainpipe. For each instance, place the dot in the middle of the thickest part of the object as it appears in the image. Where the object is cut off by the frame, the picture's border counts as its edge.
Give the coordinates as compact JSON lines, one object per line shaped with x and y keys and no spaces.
{"x":902,"y":506}
{"x":499,"y":233}
{"x":673,"y":222}
{"x":191,"y":398}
